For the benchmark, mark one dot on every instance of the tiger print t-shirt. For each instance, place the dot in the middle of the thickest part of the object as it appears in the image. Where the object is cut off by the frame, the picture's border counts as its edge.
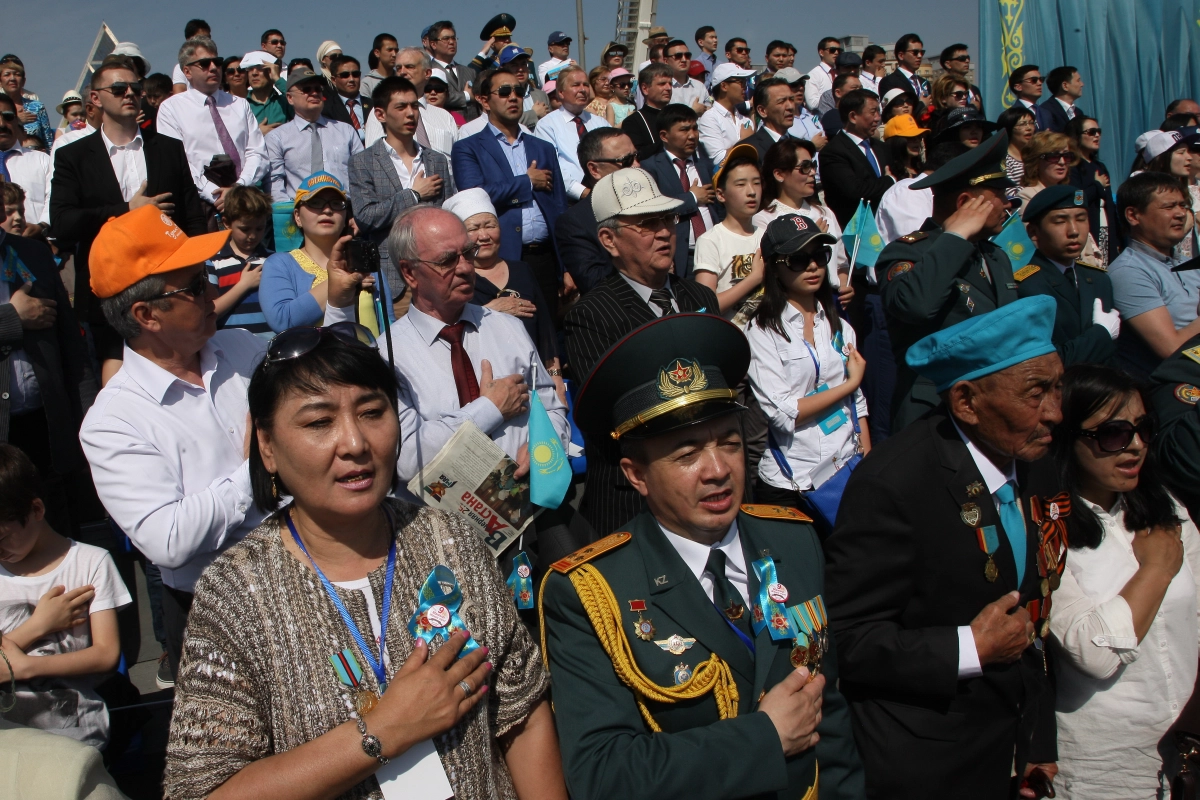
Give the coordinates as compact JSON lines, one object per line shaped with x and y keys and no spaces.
{"x":730,"y":256}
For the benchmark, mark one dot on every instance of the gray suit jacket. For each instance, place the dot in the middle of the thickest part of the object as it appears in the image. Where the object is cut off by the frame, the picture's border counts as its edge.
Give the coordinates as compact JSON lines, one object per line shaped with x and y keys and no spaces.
{"x":458,"y":78}
{"x":378,"y":197}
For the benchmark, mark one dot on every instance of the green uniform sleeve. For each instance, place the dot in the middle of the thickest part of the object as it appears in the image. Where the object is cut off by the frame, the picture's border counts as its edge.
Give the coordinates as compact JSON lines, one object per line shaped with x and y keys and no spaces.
{"x":916,"y":295}
{"x":1178,"y":442}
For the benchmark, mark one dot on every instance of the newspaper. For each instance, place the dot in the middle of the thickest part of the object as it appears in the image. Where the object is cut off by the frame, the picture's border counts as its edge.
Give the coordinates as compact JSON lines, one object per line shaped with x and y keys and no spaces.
{"x":473,"y":477}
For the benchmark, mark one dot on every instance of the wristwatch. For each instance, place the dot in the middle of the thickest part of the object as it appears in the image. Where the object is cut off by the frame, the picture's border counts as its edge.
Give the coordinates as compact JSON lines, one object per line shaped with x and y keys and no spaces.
{"x":371,"y":744}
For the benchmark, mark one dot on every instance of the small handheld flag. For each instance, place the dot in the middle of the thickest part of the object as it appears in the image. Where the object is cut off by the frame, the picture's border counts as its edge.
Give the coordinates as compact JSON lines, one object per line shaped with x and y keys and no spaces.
{"x":549,"y":470}
{"x":1015,"y":242}
{"x":862,"y":238}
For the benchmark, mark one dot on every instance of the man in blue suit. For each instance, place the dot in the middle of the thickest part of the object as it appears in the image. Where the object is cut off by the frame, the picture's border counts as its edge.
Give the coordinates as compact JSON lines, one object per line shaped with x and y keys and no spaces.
{"x":1026,"y":84}
{"x":521,"y":176}
{"x":683,"y":169}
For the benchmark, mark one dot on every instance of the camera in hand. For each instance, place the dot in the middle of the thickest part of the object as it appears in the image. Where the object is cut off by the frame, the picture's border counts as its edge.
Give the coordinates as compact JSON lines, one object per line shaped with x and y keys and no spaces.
{"x":362,"y":255}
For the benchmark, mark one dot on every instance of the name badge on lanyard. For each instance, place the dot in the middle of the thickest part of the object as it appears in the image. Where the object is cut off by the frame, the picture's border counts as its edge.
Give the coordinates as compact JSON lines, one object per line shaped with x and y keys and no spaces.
{"x":836,"y":417}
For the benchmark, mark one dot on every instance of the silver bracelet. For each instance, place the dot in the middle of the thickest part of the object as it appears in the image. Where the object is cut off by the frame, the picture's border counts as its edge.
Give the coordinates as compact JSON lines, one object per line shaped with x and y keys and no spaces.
{"x":370,"y":743}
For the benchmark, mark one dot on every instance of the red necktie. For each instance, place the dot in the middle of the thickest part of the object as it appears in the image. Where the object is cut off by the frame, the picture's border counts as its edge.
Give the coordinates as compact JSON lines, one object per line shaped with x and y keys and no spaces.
{"x":460,"y":362}
{"x":579,"y":128}
{"x":353,"y":117}
{"x":697,"y":220}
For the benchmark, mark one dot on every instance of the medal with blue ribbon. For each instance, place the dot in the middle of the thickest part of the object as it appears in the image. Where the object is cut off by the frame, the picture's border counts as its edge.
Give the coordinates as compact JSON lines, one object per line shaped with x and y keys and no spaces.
{"x":520,"y":582}
{"x":14,"y":269}
{"x":770,"y":612}
{"x":989,"y":541}
{"x":436,"y":618}
{"x":812,"y":634}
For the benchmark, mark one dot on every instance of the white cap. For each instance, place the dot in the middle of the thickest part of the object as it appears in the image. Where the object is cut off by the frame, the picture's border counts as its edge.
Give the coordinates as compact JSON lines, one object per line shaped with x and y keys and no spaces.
{"x":257,"y":58}
{"x":727,"y":70}
{"x":469,"y":202}
{"x":440,"y":74}
{"x":1159,"y":142}
{"x":892,"y":94}
{"x":131,"y":50}
{"x":70,"y":97}
{"x":628,"y":192}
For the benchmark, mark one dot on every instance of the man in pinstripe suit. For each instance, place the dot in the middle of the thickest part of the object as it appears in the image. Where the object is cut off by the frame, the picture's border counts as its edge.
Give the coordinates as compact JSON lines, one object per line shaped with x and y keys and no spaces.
{"x":636,"y":225}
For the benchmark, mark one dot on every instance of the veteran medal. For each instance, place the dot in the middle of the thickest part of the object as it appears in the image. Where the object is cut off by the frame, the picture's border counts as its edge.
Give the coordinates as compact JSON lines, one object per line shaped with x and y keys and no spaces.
{"x":970,"y":514}
{"x":683,"y":674}
{"x":643,"y":628}
{"x":974,"y":489}
{"x":349,"y":673}
{"x":735,"y":611}
{"x":675,"y":644}
{"x":988,"y":541}
{"x":799,"y":655}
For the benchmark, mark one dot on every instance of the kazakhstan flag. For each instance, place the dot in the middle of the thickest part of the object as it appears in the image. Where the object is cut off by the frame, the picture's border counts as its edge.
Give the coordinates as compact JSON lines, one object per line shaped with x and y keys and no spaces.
{"x":549,"y":471}
{"x":1015,"y":242}
{"x":862,"y":238}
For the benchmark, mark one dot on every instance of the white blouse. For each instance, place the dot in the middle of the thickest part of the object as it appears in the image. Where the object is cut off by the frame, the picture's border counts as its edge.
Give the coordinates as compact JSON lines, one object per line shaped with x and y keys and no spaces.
{"x":1115,"y":697}
{"x":782,"y":372}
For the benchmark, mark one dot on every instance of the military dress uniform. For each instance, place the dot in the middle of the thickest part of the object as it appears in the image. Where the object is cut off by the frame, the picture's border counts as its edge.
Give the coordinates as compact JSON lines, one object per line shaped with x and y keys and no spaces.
{"x":1175,"y":394}
{"x":655,"y":684}
{"x":930,"y":280}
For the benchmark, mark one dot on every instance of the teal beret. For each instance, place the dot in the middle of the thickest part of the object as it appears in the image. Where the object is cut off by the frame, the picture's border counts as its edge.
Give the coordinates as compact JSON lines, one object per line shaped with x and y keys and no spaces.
{"x":985,"y":344}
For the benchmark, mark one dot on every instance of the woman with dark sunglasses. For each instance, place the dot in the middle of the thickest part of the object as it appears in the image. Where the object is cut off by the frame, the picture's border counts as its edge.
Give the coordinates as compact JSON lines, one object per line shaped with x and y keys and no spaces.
{"x":234,"y":79}
{"x":1124,"y":624}
{"x":352,"y":640}
{"x":1049,"y":158}
{"x":1092,"y":176}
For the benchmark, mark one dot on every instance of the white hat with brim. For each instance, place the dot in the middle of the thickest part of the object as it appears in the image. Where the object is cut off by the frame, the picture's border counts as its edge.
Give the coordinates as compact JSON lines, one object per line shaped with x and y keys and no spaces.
{"x":257,"y":58}
{"x":131,"y":50}
{"x":70,"y":98}
{"x":630,"y":192}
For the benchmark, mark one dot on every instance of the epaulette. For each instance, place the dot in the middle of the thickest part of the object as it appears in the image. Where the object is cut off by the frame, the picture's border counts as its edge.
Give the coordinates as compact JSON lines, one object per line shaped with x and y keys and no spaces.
{"x":1025,"y":271}
{"x":586,"y":554}
{"x":1100,"y":267}
{"x":915,"y":236}
{"x":764,"y":511}
{"x":1193,"y":353}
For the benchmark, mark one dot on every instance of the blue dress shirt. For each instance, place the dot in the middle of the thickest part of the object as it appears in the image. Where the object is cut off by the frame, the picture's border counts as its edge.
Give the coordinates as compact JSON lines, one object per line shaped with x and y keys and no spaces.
{"x":533,"y":224}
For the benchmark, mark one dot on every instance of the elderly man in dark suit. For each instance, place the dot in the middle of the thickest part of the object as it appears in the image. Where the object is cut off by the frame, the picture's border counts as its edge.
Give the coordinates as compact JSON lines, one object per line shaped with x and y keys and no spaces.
{"x":343,"y":102}
{"x":520,"y":173}
{"x":854,"y":164}
{"x":109,"y":173}
{"x":939,"y":572}
{"x":396,"y":172}
{"x":637,"y":226}
{"x":683,"y":169}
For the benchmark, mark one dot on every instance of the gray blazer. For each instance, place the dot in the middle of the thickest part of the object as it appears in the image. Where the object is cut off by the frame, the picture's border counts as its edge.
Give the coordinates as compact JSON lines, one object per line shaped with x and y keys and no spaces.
{"x":378,"y":197}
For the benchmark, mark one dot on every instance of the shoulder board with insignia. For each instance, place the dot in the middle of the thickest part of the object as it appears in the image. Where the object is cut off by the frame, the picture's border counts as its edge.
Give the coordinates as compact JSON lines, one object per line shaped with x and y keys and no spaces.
{"x":586,"y":554}
{"x":764,"y":511}
{"x":1100,"y":267}
{"x":1193,"y":353}
{"x":915,"y":236}
{"x":1025,"y":271}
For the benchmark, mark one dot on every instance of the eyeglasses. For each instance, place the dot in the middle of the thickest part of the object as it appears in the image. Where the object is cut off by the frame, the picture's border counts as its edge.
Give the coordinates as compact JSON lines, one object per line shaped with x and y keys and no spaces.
{"x":277,"y":42}
{"x":204,"y":63}
{"x":197,"y":287}
{"x":1059,"y":157}
{"x":231,"y":71}
{"x":1025,"y":122}
{"x":310,"y":87}
{"x":296,"y":342}
{"x":806,"y":167}
{"x":652,"y":224}
{"x":355,"y":73}
{"x":624,"y":162}
{"x":1115,"y":436}
{"x":1091,"y":131}
{"x":508,"y":89}
{"x":318,"y":204}
{"x":679,"y":55}
{"x":121,"y":88}
{"x":446,"y":39}
{"x":799,"y":262}
{"x":915,"y":52}
{"x":451,"y":261}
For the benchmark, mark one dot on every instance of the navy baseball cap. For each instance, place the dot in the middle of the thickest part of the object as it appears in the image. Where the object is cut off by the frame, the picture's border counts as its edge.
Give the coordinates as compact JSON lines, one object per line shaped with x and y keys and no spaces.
{"x":558,"y":37}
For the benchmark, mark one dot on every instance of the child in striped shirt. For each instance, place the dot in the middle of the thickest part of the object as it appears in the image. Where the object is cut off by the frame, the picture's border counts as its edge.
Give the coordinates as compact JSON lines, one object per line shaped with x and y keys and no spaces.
{"x":237,"y":268}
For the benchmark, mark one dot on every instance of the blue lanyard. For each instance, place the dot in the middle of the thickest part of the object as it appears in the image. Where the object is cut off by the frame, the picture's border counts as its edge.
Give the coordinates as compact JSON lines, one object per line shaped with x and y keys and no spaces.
{"x":816,"y":361}
{"x":368,"y":652}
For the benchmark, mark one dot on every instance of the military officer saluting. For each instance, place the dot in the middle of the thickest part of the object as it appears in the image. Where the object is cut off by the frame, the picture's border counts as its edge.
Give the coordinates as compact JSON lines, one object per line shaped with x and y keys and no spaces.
{"x":948,"y":271}
{"x":1084,"y":332}
{"x":688,"y":650}
{"x":1175,"y":392}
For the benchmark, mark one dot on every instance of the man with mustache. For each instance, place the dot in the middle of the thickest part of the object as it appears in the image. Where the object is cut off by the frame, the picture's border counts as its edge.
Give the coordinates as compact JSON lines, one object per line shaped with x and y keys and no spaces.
{"x":688,"y":649}
{"x":940,"y":570}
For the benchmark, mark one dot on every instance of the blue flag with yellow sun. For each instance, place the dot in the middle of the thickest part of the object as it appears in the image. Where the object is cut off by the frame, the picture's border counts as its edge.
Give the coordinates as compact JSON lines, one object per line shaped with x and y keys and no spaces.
{"x":862,"y":238}
{"x":1015,"y":242}
{"x":549,"y":470}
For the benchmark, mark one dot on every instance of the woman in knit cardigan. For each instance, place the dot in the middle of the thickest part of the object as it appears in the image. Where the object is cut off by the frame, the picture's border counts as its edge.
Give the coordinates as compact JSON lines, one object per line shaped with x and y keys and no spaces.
{"x":280,"y":689}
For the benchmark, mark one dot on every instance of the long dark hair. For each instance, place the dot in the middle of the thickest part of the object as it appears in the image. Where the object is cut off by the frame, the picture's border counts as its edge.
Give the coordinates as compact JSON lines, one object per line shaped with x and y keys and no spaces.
{"x":783,"y":156}
{"x":332,"y":362}
{"x":769,"y":313}
{"x":1087,"y":388}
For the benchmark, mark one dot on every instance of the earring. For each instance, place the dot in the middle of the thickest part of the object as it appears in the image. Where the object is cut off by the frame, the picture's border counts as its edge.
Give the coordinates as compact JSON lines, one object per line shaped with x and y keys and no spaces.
{"x":274,"y":489}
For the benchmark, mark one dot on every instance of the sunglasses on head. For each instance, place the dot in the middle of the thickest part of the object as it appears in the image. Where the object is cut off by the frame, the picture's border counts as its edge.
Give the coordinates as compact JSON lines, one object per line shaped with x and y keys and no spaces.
{"x":204,"y":63}
{"x":354,"y":73}
{"x":197,"y":287}
{"x":1115,"y":436}
{"x":297,"y":342}
{"x":508,"y":89}
{"x":624,"y":162}
{"x":799,"y":262}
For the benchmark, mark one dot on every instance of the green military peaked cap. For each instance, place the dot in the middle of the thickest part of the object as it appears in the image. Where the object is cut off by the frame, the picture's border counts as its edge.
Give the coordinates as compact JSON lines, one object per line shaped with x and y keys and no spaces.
{"x":980,"y":166}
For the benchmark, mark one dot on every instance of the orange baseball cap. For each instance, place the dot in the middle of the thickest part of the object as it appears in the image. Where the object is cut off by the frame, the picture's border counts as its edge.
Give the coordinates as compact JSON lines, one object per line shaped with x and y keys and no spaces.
{"x":902,"y":125}
{"x":141,"y":243}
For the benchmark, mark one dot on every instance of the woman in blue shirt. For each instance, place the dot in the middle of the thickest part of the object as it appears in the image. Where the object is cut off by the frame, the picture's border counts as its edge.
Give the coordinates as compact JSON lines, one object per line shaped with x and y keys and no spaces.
{"x":31,"y":112}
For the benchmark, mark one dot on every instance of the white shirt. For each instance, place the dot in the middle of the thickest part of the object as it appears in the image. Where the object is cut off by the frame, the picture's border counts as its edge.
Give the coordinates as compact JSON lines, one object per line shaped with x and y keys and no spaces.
{"x":902,"y":210}
{"x":692,"y":91}
{"x":868,"y":81}
{"x":721,"y":129}
{"x":729,"y":255}
{"x":644,"y":292}
{"x":70,"y":136}
{"x":695,"y":556}
{"x":1067,"y":107}
{"x":1104,"y":676}
{"x":693,"y":176}
{"x":403,"y":173}
{"x":546,"y":67}
{"x":186,"y":117}
{"x":840,"y":263}
{"x":436,"y":125}
{"x":168,"y":457}
{"x":558,"y":128}
{"x":177,"y":76}
{"x":356,"y":112}
{"x":24,"y":394}
{"x":820,"y":81}
{"x":31,"y":170}
{"x":781,"y":373}
{"x":128,"y":163}
{"x":478,"y":124}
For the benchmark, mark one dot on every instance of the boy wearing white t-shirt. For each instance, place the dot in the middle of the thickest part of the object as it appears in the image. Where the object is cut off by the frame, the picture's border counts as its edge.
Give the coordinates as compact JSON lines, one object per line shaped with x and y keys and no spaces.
{"x":728,"y":257}
{"x":58,"y":613}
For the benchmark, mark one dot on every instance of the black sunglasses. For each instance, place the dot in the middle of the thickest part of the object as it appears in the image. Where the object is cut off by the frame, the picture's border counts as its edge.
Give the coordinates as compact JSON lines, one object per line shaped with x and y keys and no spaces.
{"x":204,"y":63}
{"x":8,"y":116}
{"x":197,"y":287}
{"x":833,"y":49}
{"x":356,"y":73}
{"x":624,"y":162}
{"x":121,"y":88}
{"x":1091,"y":131}
{"x":296,"y":342}
{"x":319,"y":204}
{"x":680,"y":55}
{"x":1115,"y":436}
{"x":798,"y":262}
{"x":508,"y":89}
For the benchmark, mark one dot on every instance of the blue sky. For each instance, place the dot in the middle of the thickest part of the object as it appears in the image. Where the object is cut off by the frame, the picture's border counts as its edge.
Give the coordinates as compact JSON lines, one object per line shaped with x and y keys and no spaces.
{"x":53,"y":38}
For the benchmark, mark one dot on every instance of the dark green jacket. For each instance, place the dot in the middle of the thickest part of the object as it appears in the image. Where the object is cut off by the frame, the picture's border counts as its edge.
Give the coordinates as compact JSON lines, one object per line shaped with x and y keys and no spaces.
{"x":1077,"y":339}
{"x":929,"y":281}
{"x":1175,"y":389}
{"x":607,"y":749}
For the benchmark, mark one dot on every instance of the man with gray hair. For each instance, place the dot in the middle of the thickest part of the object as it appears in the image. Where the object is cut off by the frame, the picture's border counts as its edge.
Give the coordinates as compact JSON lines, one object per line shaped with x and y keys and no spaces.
{"x":219,"y":132}
{"x":436,"y":128}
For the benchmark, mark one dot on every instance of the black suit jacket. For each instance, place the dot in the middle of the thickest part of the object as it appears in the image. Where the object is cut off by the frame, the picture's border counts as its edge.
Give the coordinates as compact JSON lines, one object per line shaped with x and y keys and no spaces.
{"x":1077,"y":339}
{"x":666,"y":175}
{"x":762,"y":141}
{"x":903,"y":572}
{"x":335,"y":107}
{"x":848,"y":177}
{"x":896,"y":80}
{"x":579,"y":247}
{"x":1054,"y":116}
{"x":599,"y":320}
{"x":85,"y":193}
{"x":58,"y":355}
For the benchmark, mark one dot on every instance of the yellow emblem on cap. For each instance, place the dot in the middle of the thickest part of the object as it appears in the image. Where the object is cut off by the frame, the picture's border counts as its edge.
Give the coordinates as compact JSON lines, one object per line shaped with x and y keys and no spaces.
{"x":681,"y":378}
{"x":1026,"y":271}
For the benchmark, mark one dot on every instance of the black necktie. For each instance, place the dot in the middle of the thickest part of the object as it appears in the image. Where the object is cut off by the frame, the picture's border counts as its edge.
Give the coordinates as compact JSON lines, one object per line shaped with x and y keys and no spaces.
{"x":662,"y":299}
{"x":725,"y":594}
{"x":1070,"y":273}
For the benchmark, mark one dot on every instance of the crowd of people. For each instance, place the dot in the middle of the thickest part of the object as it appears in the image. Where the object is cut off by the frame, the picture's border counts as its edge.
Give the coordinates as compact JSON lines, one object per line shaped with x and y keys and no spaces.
{"x":882,"y":408}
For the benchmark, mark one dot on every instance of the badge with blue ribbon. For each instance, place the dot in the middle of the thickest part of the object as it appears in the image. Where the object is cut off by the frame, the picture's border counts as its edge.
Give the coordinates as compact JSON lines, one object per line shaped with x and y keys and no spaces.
{"x":989,"y":542}
{"x":436,"y":618}
{"x":14,"y":269}
{"x":812,"y":634}
{"x":520,"y":582}
{"x":769,"y":612}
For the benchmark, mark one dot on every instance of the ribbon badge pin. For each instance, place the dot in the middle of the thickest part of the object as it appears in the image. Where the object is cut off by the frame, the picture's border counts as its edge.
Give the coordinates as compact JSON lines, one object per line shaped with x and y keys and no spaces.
{"x":520,"y":582}
{"x":771,"y":596}
{"x":643,"y":628}
{"x":436,"y":617}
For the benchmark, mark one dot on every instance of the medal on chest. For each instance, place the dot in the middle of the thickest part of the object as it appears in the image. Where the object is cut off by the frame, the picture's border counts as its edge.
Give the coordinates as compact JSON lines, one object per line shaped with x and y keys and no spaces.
{"x":436,"y":617}
{"x":770,"y":611}
{"x":810,"y":622}
{"x":643,"y":628}
{"x":989,"y":542}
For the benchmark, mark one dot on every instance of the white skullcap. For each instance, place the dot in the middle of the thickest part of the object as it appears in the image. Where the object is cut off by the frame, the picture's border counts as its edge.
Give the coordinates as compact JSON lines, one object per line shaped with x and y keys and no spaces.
{"x":469,"y":202}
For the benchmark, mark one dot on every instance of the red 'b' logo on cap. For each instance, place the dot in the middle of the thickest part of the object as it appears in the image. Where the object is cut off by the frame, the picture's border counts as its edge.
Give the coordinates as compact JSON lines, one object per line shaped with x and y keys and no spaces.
{"x":800,"y":224}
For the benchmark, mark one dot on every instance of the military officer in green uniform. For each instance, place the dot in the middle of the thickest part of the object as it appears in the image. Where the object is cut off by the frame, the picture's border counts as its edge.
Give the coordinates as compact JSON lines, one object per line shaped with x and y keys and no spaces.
{"x":948,"y":271}
{"x":1175,"y":392}
{"x":688,"y":650}
{"x":1084,"y":332}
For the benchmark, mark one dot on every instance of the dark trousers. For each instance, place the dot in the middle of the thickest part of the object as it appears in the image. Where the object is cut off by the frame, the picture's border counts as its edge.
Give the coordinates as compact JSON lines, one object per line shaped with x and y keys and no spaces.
{"x":879,"y":381}
{"x":540,"y":256}
{"x":154,"y":588}
{"x":175,"y":607}
{"x":70,"y":497}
